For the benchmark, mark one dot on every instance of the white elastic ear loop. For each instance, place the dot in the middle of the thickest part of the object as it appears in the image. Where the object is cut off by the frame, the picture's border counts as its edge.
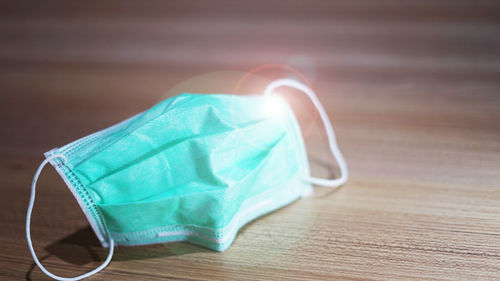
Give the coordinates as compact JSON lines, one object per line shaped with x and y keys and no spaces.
{"x":332,"y":141}
{"x":28,"y":231}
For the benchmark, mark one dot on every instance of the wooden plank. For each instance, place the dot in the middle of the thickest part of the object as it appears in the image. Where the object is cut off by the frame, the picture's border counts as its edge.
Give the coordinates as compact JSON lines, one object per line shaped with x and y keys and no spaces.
{"x":412,"y":88}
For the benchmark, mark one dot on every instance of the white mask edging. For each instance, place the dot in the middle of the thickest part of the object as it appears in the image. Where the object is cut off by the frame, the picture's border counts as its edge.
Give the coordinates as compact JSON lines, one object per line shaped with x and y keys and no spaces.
{"x":28,"y":231}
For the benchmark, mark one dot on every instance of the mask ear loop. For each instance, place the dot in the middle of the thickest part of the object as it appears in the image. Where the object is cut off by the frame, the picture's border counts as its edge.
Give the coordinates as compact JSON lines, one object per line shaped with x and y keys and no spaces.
{"x":332,"y":141}
{"x":28,"y":231}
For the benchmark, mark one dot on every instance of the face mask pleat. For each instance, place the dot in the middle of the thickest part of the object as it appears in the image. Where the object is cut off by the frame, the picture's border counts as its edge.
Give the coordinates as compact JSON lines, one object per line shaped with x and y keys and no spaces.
{"x":250,"y":172}
{"x":147,"y":174}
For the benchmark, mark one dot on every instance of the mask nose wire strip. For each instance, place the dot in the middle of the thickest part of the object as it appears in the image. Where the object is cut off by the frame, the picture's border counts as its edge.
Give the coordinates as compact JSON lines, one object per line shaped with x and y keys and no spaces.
{"x":334,"y":148}
{"x":28,"y":231}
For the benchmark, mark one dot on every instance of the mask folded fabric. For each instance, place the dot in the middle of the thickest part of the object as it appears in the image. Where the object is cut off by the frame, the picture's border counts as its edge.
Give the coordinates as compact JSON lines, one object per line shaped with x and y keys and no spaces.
{"x":195,"y":167}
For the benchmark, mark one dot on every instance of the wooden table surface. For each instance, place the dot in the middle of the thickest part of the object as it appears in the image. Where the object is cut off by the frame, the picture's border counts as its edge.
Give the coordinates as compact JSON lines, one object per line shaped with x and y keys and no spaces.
{"x":412,"y":87}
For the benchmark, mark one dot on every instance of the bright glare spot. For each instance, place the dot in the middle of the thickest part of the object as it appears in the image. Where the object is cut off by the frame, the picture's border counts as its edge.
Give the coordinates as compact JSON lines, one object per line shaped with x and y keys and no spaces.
{"x":274,"y":105}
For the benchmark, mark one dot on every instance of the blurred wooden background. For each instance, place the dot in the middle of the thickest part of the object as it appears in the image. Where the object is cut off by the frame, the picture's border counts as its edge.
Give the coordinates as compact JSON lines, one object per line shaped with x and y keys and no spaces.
{"x":412,"y":87}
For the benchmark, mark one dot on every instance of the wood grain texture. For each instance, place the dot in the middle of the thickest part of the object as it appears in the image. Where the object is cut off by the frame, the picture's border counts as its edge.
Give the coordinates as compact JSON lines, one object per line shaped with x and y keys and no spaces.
{"x":413,"y":89}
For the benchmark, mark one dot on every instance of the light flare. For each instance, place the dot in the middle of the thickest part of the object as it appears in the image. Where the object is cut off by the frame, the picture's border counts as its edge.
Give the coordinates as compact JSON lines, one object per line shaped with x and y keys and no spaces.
{"x":274,"y":106}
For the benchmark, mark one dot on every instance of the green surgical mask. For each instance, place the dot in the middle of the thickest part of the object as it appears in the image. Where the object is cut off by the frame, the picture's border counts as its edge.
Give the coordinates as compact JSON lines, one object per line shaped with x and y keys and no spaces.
{"x":192,"y":168}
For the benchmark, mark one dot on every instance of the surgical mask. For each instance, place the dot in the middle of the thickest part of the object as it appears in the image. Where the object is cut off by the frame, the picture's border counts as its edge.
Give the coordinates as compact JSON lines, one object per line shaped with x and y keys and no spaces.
{"x":192,"y":168}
